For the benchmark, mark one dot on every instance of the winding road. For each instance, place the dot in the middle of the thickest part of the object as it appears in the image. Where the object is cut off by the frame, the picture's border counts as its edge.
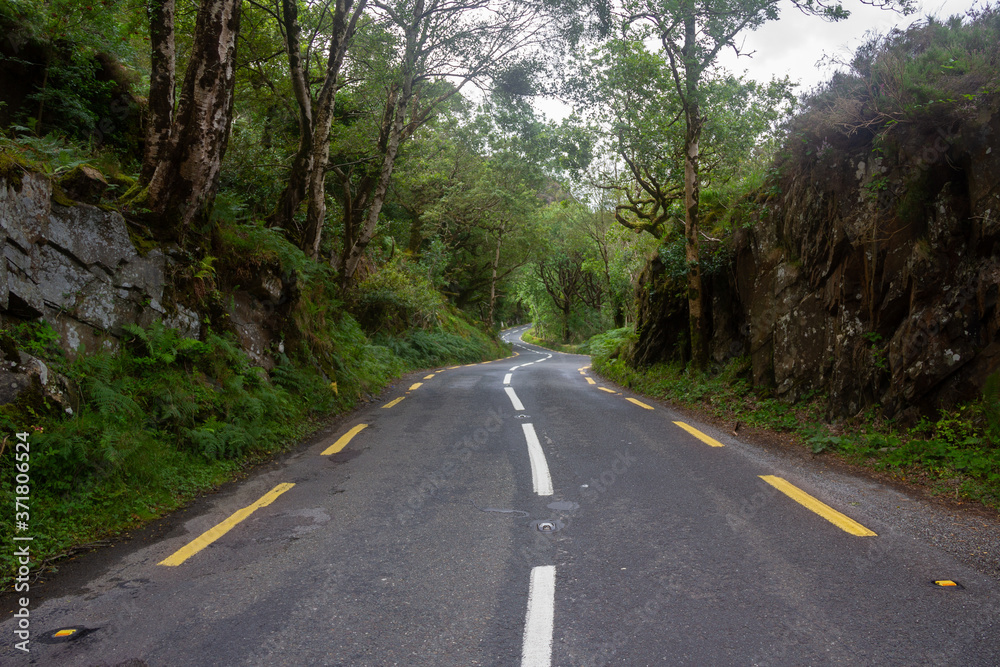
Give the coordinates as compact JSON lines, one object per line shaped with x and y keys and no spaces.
{"x":525,"y":512}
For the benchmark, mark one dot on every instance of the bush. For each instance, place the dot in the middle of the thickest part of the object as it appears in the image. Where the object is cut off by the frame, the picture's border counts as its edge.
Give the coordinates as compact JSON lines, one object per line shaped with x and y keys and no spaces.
{"x":396,"y":298}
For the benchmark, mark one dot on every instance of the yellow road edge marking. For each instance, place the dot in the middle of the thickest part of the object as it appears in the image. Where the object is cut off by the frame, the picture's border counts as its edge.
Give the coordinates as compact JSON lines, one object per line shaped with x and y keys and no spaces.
{"x":393,"y":402}
{"x":343,"y":440}
{"x":430,"y":376}
{"x":640,"y":403}
{"x":451,"y":368}
{"x":220,"y":529}
{"x":843,"y":522}
{"x":610,"y":391}
{"x":708,"y":440}
{"x":590,"y":381}
{"x":416,"y":385}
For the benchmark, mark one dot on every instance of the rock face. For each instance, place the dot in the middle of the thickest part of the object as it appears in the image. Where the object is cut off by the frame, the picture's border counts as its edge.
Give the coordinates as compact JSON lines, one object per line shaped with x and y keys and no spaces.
{"x":77,"y":267}
{"x":874,"y":277}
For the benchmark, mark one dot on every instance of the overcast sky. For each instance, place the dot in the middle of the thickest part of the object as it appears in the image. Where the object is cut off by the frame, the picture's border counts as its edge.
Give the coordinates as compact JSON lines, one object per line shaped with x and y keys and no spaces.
{"x":795,"y":43}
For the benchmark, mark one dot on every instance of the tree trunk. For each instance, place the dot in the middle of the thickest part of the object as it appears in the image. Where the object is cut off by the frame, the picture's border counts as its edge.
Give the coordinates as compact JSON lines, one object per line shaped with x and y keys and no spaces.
{"x":344,"y":24}
{"x":298,"y":177}
{"x":161,"y":84}
{"x":692,"y":194}
{"x":367,"y":232}
{"x":399,"y":99}
{"x":184,"y":183}
{"x":493,"y":281}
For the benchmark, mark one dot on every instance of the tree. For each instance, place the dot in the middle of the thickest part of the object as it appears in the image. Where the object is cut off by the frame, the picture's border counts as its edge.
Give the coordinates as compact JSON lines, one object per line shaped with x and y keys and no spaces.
{"x":692,"y":33}
{"x":307,"y":176}
{"x":472,"y":206}
{"x":442,"y":46}
{"x":184,"y":156}
{"x":564,"y":266}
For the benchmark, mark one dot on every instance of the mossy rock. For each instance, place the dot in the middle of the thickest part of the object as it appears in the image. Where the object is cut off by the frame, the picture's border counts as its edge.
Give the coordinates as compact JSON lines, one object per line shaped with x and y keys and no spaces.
{"x":136,"y":198}
{"x":83,"y":183}
{"x":59,"y":196}
{"x":13,"y":168}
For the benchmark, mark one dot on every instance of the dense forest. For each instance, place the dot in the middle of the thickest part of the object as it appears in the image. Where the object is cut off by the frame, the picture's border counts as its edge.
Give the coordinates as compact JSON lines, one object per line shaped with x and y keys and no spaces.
{"x":313,"y":198}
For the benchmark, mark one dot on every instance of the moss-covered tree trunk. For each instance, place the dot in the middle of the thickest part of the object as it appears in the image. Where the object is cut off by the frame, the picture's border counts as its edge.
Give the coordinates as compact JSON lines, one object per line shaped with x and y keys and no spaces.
{"x":692,"y":194}
{"x":307,"y":179}
{"x":298,"y":176}
{"x":161,"y":84}
{"x":186,"y":177}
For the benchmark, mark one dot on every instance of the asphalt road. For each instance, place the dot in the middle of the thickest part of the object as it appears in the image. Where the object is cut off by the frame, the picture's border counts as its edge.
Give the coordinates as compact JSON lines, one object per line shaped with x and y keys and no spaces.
{"x":524,"y":512}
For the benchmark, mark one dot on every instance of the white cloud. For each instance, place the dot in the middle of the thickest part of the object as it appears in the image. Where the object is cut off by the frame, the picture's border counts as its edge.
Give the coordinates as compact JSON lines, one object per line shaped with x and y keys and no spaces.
{"x":795,"y":43}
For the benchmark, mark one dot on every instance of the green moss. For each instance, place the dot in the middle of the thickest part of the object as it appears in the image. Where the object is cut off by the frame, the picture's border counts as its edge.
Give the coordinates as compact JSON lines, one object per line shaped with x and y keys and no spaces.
{"x":143,"y":243}
{"x":135,"y":198}
{"x":13,"y":168}
{"x":59,"y":196}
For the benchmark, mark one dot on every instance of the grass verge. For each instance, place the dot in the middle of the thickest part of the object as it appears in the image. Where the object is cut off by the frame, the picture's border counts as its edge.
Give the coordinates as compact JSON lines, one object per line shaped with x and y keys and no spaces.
{"x":165,"y":419}
{"x":569,"y":348}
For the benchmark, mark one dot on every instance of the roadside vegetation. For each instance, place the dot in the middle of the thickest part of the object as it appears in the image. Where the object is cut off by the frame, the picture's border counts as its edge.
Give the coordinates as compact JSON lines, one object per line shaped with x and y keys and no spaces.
{"x":955,"y":454}
{"x":166,"y":418}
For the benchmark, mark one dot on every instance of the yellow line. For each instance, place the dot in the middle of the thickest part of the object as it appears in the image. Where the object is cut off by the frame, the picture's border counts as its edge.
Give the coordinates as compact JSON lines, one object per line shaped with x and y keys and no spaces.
{"x":430,"y":376}
{"x":212,"y":534}
{"x":416,"y":385}
{"x":833,"y":516}
{"x":451,"y":368}
{"x":712,"y":442}
{"x":590,"y":381}
{"x":639,"y":403}
{"x":343,"y":440}
{"x":393,"y":402}
{"x":610,"y":391}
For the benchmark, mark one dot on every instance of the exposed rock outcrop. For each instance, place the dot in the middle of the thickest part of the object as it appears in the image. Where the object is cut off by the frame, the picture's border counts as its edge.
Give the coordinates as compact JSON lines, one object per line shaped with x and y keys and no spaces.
{"x":77,"y":267}
{"x":874,"y":276}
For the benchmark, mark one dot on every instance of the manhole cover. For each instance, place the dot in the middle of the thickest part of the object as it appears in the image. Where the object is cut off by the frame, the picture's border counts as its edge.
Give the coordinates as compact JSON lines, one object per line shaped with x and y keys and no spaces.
{"x":547,"y":525}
